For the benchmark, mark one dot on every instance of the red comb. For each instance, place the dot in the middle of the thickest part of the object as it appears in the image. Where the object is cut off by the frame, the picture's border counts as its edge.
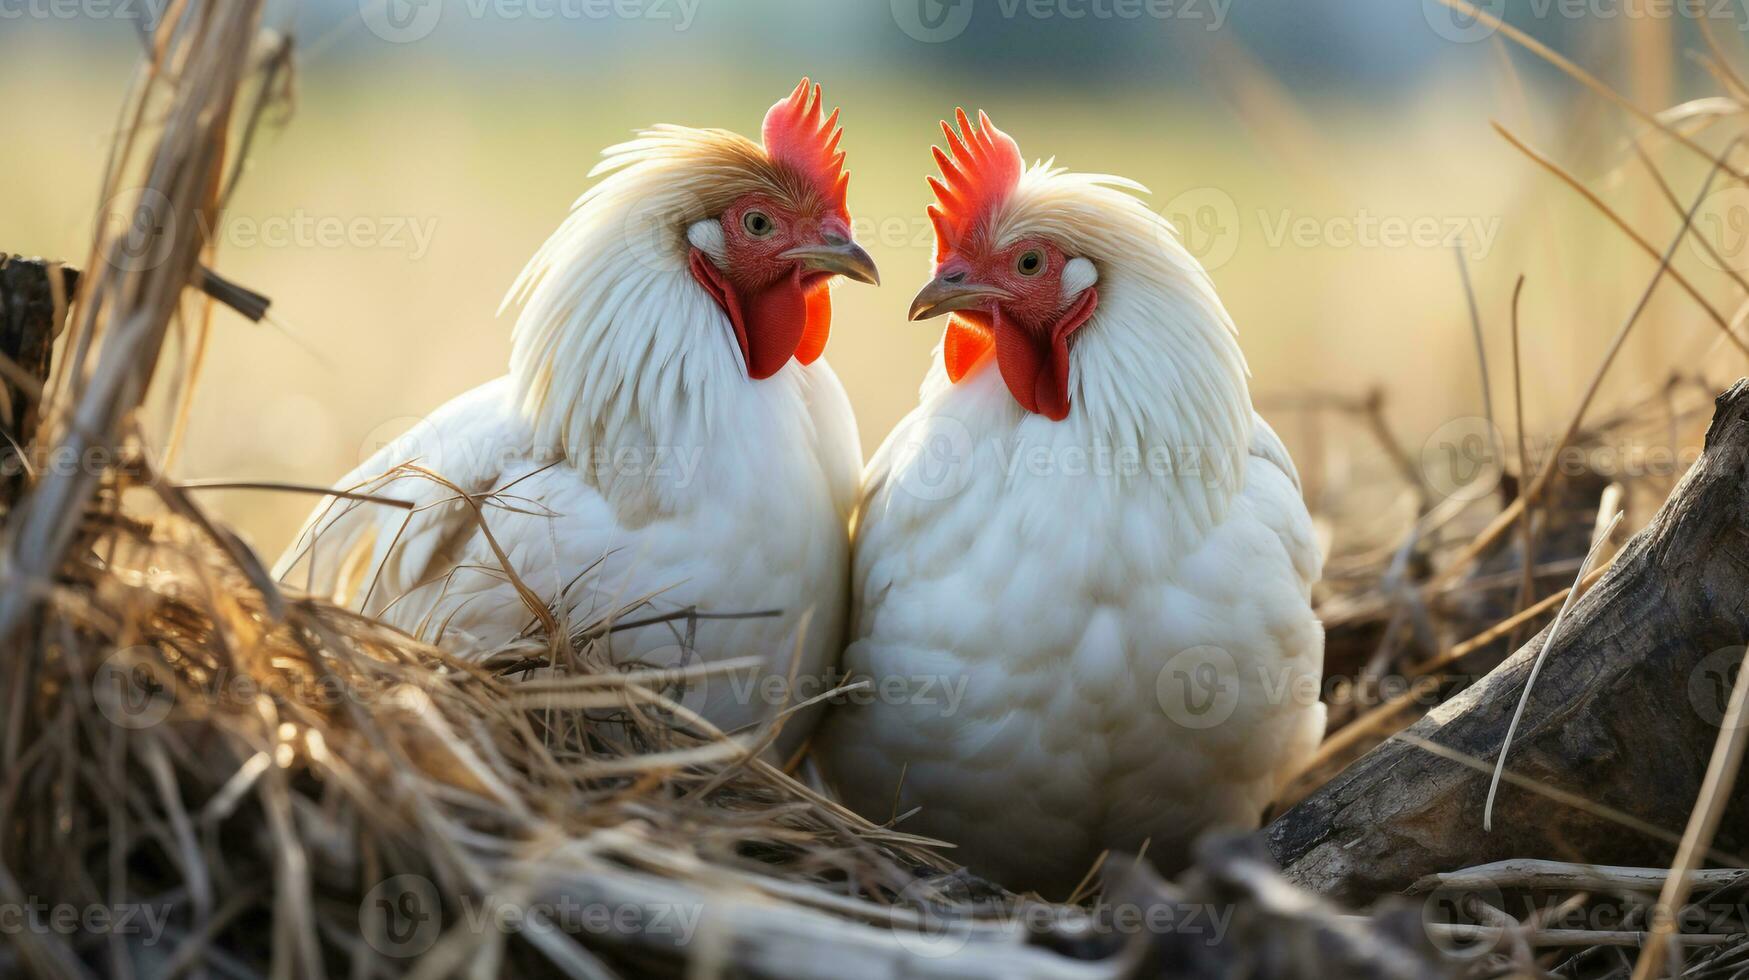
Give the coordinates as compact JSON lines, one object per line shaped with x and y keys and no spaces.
{"x":795,"y":135}
{"x":982,"y":171}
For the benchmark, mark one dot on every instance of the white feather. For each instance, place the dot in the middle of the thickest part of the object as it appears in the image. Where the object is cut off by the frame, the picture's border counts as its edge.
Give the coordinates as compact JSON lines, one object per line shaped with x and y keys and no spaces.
{"x":707,"y":237}
{"x":1078,"y":274}
{"x":627,"y":457}
{"x":1054,"y":572}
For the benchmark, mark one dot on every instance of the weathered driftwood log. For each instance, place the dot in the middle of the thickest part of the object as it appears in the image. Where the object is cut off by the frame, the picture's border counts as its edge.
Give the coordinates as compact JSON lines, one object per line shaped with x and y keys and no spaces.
{"x":28,"y":328}
{"x":1609,"y":757}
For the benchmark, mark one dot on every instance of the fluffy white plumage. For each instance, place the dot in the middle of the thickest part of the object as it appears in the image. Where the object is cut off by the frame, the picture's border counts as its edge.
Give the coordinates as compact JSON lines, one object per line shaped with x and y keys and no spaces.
{"x":1084,"y":642}
{"x":628,"y":455}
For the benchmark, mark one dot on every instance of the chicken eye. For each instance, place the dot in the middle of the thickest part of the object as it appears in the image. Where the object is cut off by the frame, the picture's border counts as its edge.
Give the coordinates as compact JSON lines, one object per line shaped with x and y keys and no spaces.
{"x":1030,"y":263}
{"x":758,"y":224}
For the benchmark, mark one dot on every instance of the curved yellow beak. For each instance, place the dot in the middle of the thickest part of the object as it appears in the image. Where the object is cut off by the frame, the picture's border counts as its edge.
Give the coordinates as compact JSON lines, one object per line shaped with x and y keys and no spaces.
{"x":944,"y":294}
{"x":838,"y":256}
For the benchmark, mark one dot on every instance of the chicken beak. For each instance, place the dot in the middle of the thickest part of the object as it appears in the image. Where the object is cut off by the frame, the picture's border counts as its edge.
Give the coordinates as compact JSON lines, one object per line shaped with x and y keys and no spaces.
{"x":838,"y":256}
{"x":948,"y":293}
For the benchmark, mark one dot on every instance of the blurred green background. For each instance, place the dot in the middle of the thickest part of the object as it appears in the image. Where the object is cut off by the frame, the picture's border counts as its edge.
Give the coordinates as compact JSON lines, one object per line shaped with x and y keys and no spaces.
{"x":1329,"y":161}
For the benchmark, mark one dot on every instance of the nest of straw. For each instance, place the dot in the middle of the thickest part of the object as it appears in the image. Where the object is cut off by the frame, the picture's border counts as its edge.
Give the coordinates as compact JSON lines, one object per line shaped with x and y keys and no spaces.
{"x":258,"y":772}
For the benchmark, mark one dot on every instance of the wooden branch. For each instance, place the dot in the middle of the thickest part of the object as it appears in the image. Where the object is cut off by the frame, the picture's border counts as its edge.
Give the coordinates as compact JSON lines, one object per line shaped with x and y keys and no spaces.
{"x":1230,"y":915}
{"x":135,"y":284}
{"x":1615,"y":739}
{"x":28,"y":328}
{"x":1567,"y":876}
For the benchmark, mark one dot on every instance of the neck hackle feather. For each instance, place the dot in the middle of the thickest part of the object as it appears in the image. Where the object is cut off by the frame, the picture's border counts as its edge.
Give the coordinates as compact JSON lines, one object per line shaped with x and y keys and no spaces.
{"x":616,"y":341}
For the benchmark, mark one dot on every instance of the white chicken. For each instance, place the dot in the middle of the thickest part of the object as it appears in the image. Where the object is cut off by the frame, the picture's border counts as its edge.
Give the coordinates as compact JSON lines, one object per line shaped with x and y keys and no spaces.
{"x":668,"y":434}
{"x":1082,"y":566}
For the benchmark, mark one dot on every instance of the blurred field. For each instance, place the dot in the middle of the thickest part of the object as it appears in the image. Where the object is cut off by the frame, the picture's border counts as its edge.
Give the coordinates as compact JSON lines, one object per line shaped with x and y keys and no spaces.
{"x":1272,"y":186}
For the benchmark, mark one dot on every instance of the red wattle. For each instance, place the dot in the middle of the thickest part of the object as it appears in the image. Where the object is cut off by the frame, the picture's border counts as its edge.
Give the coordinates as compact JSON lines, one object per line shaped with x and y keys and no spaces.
{"x":819,"y":325}
{"x":777,"y":317}
{"x":1036,"y":367}
{"x":966,"y":344}
{"x":772,"y":323}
